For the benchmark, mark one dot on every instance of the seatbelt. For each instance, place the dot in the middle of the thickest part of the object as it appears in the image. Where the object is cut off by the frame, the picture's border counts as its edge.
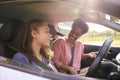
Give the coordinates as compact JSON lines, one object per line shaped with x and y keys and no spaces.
{"x":42,"y":65}
{"x":10,"y":46}
{"x":72,"y":53}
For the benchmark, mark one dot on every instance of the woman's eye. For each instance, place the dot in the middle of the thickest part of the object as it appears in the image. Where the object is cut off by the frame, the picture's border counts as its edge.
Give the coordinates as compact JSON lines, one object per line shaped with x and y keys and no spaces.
{"x":77,"y":34}
{"x":72,"y":32}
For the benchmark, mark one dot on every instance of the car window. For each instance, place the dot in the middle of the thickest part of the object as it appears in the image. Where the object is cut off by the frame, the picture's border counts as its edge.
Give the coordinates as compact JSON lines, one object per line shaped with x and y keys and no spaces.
{"x":18,"y":69}
{"x":96,"y":34}
{"x":11,"y":70}
{"x":11,"y":62}
{"x":18,"y":75}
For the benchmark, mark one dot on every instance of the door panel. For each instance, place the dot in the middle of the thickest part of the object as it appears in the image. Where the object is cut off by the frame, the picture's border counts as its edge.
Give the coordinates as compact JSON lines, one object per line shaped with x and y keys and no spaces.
{"x":91,"y":48}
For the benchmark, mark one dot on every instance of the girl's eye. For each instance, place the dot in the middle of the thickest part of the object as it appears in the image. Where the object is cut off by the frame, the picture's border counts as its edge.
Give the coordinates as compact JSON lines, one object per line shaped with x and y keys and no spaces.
{"x":47,"y":31}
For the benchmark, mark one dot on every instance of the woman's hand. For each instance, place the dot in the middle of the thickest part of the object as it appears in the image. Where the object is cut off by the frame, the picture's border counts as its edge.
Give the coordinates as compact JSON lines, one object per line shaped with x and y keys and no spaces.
{"x":92,"y":54}
{"x":89,"y":55}
{"x":71,"y":70}
{"x":81,"y":74}
{"x":68,"y":69}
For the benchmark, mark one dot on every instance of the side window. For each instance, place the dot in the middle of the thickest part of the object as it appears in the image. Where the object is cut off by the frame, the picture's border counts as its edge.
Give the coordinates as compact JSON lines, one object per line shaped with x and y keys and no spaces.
{"x":96,"y":34}
{"x":65,"y":27}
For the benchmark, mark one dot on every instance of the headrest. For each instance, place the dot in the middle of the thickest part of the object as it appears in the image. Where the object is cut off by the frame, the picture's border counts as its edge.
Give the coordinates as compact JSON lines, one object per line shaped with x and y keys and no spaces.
{"x":9,"y":29}
{"x":59,"y":34}
{"x":52,"y":30}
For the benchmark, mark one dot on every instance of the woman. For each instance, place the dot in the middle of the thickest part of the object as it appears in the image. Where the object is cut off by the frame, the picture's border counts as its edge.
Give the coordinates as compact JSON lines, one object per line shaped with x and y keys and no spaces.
{"x":68,"y":52}
{"x":32,"y":44}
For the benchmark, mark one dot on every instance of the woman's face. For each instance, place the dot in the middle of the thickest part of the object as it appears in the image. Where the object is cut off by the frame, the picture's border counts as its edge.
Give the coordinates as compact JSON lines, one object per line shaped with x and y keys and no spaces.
{"x":43,"y":36}
{"x":74,"y":34}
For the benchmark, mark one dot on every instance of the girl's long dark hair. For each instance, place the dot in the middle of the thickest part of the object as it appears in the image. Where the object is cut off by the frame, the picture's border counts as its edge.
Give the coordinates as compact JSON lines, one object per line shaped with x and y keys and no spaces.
{"x":24,"y":38}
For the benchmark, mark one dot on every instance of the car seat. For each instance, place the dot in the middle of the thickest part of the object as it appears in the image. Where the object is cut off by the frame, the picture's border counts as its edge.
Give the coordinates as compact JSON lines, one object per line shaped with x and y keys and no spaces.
{"x":8,"y":33}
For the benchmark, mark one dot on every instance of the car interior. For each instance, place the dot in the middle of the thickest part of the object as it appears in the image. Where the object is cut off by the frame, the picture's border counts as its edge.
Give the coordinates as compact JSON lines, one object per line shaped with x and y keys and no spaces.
{"x":55,"y":11}
{"x":7,"y":35}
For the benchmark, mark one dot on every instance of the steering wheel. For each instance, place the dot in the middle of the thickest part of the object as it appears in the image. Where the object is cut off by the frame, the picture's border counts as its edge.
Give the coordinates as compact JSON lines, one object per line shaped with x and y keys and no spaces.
{"x":101,"y":54}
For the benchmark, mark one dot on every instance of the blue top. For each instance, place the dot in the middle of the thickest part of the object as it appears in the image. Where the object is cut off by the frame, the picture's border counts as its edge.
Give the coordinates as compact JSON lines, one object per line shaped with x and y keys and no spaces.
{"x":19,"y":57}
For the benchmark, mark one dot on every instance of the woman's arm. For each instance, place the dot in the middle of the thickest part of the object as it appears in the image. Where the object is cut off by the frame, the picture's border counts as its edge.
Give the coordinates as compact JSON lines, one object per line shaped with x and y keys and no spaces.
{"x":89,"y":55}
{"x":68,"y":69}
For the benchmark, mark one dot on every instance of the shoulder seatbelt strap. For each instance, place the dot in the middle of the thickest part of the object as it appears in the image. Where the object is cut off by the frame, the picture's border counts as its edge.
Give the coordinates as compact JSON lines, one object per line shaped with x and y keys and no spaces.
{"x":42,"y":65}
{"x":72,"y":53}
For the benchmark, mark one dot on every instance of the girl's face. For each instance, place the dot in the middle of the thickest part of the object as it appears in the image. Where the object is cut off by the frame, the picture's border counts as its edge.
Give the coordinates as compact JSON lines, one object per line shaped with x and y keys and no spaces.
{"x":42,"y":36}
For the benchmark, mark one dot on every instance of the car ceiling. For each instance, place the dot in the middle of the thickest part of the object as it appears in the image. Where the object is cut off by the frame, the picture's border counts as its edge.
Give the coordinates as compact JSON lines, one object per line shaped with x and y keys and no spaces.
{"x":59,"y":10}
